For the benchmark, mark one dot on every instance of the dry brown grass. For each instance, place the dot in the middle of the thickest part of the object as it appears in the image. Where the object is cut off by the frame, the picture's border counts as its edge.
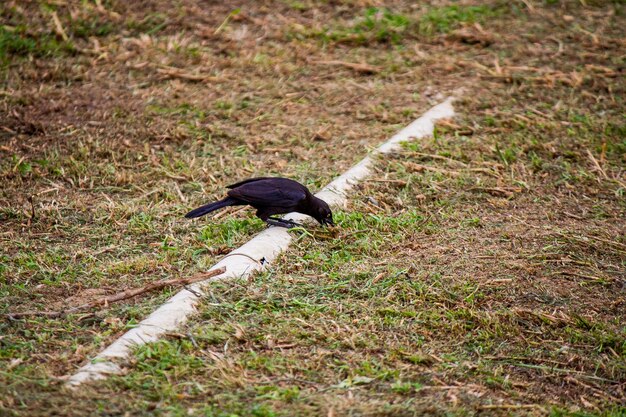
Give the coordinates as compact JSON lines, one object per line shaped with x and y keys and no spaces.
{"x":485,"y":273}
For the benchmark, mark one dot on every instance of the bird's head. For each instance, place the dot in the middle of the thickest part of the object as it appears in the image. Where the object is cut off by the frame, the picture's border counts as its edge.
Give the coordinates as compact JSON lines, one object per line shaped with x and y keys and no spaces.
{"x":322,"y":213}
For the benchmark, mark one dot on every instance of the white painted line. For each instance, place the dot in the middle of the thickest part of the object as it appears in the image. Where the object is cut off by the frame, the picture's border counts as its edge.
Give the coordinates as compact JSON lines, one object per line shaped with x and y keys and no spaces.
{"x":248,"y":258}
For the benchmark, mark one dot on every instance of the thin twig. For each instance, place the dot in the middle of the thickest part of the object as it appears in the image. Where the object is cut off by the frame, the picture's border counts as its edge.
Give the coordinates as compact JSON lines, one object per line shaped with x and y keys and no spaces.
{"x":59,"y":27}
{"x":563,"y":371}
{"x":133,"y":292}
{"x":419,"y":168}
{"x":172,"y":72}
{"x":610,"y":242}
{"x":506,"y":191}
{"x":507,"y":406}
{"x":574,"y":274}
{"x":362,"y":68}
{"x":401,"y":183}
{"x":180,"y":193}
{"x":620,"y":247}
{"x":442,"y":158}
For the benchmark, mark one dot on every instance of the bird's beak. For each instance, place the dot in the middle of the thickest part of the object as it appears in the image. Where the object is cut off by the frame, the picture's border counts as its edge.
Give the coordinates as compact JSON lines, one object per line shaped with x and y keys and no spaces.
{"x":328,"y":222}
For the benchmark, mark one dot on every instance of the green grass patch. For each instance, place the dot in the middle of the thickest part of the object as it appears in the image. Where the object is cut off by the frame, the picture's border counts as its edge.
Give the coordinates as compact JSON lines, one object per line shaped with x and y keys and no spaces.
{"x":16,"y":43}
{"x":91,"y":26}
{"x":150,"y":24}
{"x":377,"y":25}
{"x":446,"y":18}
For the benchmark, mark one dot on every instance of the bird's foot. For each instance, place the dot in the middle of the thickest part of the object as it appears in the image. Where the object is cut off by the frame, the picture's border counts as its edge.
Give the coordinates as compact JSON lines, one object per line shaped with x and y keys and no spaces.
{"x":282,"y":223}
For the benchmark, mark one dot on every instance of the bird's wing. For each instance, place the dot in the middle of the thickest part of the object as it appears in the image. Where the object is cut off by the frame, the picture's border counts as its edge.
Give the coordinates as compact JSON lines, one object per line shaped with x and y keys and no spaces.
{"x":249,"y":180}
{"x":268,"y":193}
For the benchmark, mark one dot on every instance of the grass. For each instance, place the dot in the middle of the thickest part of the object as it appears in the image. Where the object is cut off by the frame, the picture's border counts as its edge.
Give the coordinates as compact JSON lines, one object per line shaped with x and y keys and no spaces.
{"x":15,"y":42}
{"x":476,"y":272}
{"x":444,"y":19}
{"x":294,"y":330}
{"x":375,"y":25}
{"x":384,"y":25}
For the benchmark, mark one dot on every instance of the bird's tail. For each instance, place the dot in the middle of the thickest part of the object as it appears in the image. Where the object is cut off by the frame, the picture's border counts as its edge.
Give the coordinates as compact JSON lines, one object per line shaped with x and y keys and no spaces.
{"x":206,"y":209}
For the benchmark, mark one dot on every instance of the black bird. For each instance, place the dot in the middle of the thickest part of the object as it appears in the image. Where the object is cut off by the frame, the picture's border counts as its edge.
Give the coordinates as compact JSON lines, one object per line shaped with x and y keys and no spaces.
{"x":270,"y":196}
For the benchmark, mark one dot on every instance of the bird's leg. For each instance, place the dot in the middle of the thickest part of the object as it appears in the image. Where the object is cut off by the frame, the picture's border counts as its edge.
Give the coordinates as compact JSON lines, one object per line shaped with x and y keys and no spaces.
{"x":291,"y":222}
{"x":282,"y":222}
{"x":278,"y":223}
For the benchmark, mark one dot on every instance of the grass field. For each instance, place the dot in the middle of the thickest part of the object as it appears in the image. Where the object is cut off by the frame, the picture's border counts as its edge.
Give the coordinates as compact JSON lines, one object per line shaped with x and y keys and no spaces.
{"x":478,"y":272}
